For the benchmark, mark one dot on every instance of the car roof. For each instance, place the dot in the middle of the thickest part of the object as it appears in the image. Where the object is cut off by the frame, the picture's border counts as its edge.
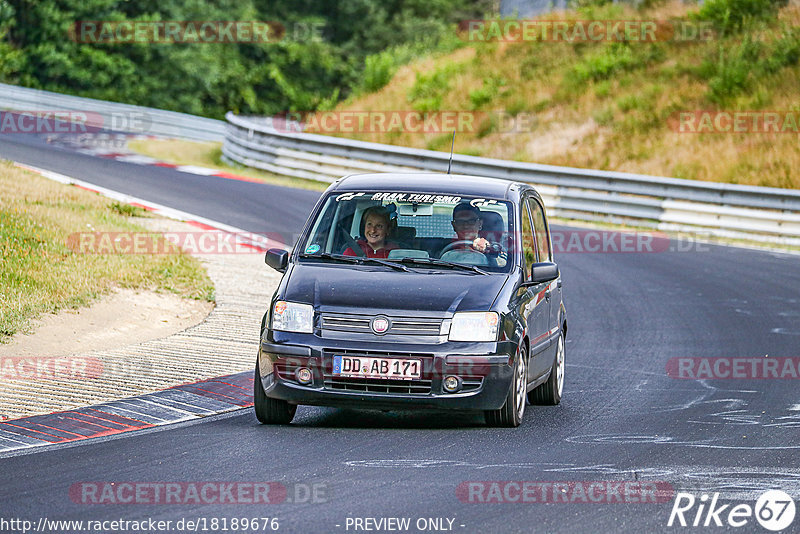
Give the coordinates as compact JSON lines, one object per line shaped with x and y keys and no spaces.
{"x":453,"y":184}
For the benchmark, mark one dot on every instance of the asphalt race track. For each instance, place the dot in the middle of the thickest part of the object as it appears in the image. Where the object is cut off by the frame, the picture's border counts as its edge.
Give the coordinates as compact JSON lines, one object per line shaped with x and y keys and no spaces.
{"x":622,"y":418}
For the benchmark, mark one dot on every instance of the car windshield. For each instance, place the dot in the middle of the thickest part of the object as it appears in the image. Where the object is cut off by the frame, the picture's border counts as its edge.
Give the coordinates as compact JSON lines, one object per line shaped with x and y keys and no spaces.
{"x":413,"y":229}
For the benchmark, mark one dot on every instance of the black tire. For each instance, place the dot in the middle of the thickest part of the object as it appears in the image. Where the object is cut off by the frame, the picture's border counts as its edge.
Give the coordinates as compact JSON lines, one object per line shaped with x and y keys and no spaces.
{"x":549,"y":393}
{"x":270,"y":411}
{"x":510,"y":414}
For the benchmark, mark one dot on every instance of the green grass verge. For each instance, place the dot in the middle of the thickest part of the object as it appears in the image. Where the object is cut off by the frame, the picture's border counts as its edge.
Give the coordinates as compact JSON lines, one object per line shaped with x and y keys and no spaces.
{"x":40,"y":273}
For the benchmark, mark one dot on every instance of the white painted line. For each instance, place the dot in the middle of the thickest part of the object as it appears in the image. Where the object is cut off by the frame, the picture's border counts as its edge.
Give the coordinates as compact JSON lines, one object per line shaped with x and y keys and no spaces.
{"x":16,"y":438}
{"x":136,"y":158}
{"x":96,"y":151}
{"x":165,"y":211}
{"x":150,"y":400}
{"x":125,"y":410}
{"x":193,"y":169}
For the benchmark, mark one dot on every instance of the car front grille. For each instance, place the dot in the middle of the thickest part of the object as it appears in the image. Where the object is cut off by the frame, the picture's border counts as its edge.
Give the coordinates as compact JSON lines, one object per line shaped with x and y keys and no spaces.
{"x":286,"y":368}
{"x":398,"y":387}
{"x":419,"y":326}
{"x":471,"y":383}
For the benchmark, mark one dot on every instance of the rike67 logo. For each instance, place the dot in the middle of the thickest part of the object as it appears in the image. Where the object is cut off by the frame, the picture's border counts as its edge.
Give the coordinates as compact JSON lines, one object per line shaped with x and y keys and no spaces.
{"x":774,"y":510}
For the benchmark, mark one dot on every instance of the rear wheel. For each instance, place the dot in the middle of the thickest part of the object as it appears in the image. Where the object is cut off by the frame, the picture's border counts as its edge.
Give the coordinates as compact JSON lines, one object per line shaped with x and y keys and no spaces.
{"x":510,"y":415}
{"x":270,"y":411}
{"x":549,"y":393}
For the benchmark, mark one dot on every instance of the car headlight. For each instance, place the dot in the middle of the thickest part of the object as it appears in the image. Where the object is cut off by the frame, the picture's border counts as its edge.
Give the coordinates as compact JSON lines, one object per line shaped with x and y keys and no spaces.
{"x":293,"y":317}
{"x":474,"y":326}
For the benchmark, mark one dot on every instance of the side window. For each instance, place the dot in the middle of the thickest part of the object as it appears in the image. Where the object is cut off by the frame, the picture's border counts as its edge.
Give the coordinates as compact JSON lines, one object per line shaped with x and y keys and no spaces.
{"x":540,"y":229}
{"x":528,"y":247}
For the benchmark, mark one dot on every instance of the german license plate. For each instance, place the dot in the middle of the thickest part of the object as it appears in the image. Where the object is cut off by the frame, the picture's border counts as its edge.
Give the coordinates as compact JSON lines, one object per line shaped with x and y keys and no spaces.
{"x":363,"y":367}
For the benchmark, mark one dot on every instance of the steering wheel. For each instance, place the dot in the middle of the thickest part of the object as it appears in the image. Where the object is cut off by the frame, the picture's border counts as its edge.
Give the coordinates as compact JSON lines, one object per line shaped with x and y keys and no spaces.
{"x":455,"y":244}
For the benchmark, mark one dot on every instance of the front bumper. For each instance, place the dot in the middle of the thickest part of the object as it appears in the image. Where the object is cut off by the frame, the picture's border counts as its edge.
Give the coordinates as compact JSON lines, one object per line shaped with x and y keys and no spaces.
{"x":485,"y":370}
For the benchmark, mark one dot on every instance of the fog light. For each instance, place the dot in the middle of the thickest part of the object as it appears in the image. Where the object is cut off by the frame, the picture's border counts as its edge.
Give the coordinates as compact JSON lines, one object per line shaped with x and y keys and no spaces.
{"x":303,"y":375}
{"x":452,"y":384}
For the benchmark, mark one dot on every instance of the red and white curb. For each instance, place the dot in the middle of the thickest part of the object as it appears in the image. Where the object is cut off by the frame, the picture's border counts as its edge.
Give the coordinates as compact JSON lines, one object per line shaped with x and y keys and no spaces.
{"x":177,"y":404}
{"x":241,"y":236}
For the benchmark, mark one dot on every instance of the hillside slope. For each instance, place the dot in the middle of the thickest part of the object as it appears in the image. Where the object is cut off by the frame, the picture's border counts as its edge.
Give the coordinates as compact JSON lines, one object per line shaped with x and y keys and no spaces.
{"x":617,"y":105}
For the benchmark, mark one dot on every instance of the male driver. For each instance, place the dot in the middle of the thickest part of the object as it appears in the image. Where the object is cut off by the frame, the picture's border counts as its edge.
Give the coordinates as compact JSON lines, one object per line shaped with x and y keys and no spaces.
{"x":467,"y":223}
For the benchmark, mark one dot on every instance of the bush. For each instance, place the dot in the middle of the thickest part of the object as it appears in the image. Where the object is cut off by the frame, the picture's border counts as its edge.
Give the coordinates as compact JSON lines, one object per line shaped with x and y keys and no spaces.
{"x":786,"y":51}
{"x":600,"y":66}
{"x":378,"y":71}
{"x":733,"y":15}
{"x":731,"y":73}
{"x":428,"y":90}
{"x":487,"y":92}
{"x":516,"y":106}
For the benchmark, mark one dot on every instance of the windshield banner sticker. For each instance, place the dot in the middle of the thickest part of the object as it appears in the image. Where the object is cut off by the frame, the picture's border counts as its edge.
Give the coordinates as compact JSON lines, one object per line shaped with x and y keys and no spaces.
{"x":415,"y":198}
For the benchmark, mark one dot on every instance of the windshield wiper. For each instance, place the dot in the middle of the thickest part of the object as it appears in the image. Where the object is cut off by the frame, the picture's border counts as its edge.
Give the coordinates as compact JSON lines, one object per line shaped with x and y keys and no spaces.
{"x":356,"y":259}
{"x":329,"y":256}
{"x":444,"y":263}
{"x":387,"y":263}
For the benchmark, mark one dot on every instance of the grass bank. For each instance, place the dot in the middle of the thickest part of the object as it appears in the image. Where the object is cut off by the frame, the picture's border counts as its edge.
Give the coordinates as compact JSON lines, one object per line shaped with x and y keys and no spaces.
{"x":40,"y":273}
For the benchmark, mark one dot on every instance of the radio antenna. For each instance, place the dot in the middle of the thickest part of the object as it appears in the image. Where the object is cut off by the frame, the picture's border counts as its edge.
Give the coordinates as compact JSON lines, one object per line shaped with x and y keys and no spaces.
{"x":452,"y":144}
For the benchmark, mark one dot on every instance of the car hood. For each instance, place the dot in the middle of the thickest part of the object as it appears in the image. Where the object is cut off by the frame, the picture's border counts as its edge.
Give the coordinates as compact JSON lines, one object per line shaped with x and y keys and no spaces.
{"x":362,"y":289}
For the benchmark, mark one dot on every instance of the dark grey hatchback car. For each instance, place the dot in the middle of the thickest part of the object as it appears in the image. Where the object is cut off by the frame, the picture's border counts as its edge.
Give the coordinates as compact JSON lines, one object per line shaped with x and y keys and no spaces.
{"x":416,"y":291}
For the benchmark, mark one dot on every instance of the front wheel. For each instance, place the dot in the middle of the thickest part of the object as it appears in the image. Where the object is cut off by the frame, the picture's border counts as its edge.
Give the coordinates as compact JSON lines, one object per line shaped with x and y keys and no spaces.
{"x":270,"y":411}
{"x":510,"y":415}
{"x":549,"y":393}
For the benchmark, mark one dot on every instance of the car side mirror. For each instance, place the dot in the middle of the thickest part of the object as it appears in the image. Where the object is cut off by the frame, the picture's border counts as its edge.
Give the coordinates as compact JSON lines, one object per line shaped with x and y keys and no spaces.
{"x":277,"y":258}
{"x":543,"y":272}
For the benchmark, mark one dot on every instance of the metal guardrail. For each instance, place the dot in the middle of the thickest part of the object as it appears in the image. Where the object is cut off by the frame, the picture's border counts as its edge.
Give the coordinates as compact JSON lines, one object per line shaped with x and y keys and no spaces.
{"x":115,"y":116}
{"x":724,"y":210}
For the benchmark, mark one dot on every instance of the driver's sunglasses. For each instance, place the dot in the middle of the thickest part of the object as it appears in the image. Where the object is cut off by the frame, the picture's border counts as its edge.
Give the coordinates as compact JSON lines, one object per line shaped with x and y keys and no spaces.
{"x":463,"y":222}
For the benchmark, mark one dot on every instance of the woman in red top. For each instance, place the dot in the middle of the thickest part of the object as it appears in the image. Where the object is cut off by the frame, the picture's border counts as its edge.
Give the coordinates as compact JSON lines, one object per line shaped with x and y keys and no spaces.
{"x":375,"y":227}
